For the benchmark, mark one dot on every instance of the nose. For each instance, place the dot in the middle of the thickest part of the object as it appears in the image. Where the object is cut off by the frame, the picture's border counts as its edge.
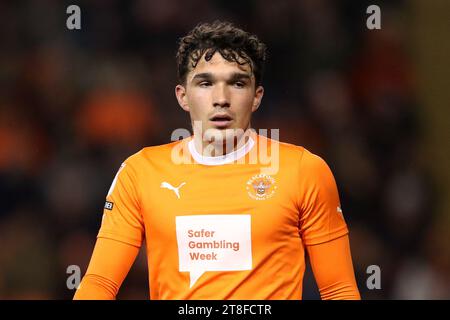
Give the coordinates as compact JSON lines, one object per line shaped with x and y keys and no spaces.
{"x":221,"y":96}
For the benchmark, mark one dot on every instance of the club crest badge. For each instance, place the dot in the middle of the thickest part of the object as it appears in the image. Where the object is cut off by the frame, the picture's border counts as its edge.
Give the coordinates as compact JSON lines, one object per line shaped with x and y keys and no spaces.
{"x":261,"y":187}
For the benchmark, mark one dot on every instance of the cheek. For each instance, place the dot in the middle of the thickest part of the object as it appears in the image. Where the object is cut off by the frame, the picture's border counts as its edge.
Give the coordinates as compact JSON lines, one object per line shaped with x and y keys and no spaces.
{"x":244,"y":103}
{"x":198,"y":104}
{"x":245,"y":97}
{"x":201,"y":96}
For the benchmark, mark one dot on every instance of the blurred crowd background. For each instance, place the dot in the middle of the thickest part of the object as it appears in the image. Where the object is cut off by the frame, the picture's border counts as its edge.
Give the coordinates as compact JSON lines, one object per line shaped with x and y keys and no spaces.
{"x":75,"y":104}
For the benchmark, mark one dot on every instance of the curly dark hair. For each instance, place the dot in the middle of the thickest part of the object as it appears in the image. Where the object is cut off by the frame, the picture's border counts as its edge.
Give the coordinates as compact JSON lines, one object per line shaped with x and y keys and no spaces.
{"x":234,"y":44}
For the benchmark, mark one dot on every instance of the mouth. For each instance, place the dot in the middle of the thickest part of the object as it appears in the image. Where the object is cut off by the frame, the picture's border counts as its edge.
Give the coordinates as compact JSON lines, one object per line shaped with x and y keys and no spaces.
{"x":221,"y":120}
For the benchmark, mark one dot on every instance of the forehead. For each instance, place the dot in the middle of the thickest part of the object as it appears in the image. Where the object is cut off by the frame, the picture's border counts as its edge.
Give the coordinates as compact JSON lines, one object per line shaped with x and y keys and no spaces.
{"x":217,"y":64}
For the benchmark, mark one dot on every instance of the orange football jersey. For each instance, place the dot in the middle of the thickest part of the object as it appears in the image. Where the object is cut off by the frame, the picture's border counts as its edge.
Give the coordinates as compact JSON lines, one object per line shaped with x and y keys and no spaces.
{"x":229,"y":227}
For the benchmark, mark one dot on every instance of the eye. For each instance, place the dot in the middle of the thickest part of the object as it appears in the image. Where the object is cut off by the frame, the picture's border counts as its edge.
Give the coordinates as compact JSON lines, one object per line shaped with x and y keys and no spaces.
{"x":239,"y":84}
{"x":204,"y":84}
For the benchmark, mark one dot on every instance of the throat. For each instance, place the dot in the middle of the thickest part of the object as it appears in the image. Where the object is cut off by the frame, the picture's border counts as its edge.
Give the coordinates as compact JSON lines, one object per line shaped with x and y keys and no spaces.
{"x":221,"y":148}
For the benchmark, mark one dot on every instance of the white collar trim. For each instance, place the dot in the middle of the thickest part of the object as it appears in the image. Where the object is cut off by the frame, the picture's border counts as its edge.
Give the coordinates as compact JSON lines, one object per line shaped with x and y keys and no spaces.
{"x":220,"y":160}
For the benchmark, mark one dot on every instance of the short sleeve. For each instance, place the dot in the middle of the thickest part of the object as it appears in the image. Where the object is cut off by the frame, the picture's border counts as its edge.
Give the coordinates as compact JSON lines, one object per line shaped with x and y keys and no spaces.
{"x":122,"y":219}
{"x":321,"y":217}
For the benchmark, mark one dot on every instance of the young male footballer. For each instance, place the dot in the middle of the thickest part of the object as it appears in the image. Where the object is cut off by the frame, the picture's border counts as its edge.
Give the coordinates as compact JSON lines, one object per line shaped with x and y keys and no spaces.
{"x":226,"y":213}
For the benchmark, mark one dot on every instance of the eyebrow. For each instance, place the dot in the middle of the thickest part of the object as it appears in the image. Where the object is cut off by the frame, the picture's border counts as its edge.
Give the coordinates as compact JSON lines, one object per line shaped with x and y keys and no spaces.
{"x":234,"y":76}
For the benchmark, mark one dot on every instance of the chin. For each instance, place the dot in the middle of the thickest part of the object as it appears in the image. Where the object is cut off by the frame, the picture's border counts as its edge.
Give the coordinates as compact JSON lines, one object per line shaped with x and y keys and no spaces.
{"x":221,"y":135}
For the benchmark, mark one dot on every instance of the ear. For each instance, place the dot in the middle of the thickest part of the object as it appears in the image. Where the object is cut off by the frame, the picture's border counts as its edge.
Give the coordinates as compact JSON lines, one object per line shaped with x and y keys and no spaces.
{"x":259,"y":92}
{"x":180,"y":93}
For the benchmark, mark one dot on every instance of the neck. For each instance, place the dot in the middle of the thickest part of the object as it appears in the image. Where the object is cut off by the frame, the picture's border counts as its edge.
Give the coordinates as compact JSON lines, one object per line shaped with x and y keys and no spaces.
{"x":221,"y":148}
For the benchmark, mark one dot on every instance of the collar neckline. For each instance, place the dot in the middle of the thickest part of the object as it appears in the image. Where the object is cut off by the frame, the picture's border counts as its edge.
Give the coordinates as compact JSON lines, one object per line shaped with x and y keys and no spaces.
{"x":220,"y":160}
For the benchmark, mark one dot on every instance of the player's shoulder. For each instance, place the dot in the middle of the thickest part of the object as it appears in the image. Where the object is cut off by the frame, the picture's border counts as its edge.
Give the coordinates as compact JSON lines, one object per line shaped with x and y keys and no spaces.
{"x":312,"y":164}
{"x":284,"y":147}
{"x":307,"y":159}
{"x":153,"y":153}
{"x":287,"y":150}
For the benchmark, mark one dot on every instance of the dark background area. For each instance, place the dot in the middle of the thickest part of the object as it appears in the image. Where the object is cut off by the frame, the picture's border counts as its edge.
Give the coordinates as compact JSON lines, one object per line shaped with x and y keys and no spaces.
{"x":75,"y":103}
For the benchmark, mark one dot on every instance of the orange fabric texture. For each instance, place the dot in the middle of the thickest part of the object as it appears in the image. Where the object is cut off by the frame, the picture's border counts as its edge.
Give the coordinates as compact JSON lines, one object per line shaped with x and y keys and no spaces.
{"x":253,"y":243}
{"x":110,"y":263}
{"x":332,"y":266}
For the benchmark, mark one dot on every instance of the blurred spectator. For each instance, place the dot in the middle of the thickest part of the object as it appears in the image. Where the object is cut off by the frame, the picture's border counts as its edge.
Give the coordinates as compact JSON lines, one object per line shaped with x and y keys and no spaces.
{"x":113,"y":117}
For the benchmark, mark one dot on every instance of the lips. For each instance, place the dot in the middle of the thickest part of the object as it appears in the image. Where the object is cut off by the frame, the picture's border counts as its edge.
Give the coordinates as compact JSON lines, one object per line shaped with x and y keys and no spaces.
{"x":221,"y":120}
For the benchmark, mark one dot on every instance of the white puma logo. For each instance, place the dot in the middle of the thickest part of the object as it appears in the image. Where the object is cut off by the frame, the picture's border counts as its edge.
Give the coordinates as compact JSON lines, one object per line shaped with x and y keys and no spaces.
{"x":170,"y":187}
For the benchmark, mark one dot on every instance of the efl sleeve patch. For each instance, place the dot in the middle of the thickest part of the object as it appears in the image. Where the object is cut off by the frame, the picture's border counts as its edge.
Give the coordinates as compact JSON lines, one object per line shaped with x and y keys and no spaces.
{"x":109,"y":205}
